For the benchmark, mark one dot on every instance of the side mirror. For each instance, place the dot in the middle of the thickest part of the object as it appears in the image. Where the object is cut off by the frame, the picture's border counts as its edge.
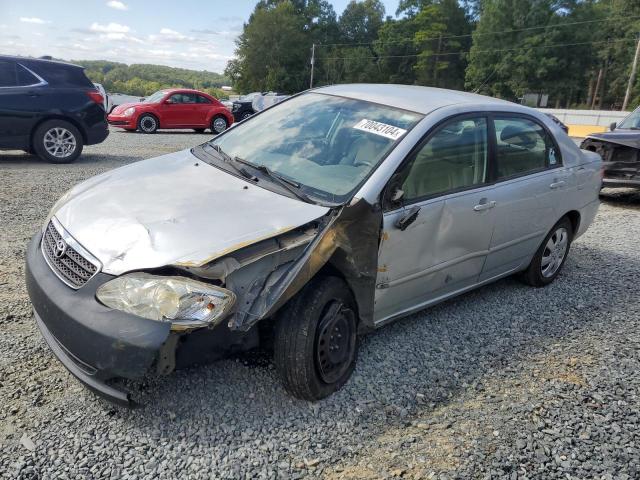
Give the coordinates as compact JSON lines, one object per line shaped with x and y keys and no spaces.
{"x":613,"y":126}
{"x":396,"y":195}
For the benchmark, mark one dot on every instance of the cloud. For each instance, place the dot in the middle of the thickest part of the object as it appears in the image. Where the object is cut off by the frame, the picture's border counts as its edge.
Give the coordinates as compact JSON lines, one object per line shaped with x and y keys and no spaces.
{"x":117,"y":5}
{"x":35,"y":20}
{"x":169,"y":35}
{"x":109,"y":28}
{"x":204,"y":31}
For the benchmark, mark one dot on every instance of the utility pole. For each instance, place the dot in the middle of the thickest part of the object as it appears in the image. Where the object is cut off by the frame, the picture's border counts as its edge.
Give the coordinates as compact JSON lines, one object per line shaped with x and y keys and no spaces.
{"x":313,"y":61}
{"x":632,"y":77}
{"x":435,"y":68}
{"x":596,"y":90}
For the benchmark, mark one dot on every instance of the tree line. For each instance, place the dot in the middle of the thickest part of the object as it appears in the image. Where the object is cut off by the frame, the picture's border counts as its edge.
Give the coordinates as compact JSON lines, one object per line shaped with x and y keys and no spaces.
{"x":144,"y":79}
{"x":579,"y":52}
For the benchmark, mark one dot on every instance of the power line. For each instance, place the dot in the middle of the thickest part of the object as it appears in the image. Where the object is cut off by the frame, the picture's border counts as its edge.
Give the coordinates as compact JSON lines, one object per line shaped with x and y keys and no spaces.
{"x":406,"y":40}
{"x":484,"y":51}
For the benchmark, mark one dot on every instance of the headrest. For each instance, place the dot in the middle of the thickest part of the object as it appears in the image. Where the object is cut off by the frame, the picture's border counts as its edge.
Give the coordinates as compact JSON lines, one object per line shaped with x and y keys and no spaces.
{"x":519,"y":136}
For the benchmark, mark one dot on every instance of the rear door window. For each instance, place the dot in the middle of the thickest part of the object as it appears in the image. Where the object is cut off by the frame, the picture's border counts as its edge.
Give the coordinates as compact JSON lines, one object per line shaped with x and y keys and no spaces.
{"x":25,"y":77}
{"x":523,"y":146}
{"x":202,"y":99}
{"x":59,"y":74}
{"x":8,"y":74}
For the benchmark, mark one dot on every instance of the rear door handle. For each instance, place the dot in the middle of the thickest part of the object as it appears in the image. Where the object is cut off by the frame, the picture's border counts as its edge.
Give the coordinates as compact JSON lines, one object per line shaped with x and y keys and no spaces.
{"x":484,"y":205}
{"x":558,"y":184}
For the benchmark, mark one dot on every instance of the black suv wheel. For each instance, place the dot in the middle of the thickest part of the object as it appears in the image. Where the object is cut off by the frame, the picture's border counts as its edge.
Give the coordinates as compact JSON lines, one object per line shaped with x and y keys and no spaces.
{"x":57,"y":141}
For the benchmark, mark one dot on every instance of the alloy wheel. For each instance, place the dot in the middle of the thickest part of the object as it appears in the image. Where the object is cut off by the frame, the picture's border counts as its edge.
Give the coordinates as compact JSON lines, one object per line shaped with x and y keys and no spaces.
{"x":148,"y":124}
{"x":554,"y":252}
{"x":219,"y":125}
{"x":59,"y":142}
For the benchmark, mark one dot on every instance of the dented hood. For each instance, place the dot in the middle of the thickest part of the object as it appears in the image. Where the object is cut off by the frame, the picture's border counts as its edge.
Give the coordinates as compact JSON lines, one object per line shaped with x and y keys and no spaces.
{"x":174,"y":210}
{"x":628,"y":138}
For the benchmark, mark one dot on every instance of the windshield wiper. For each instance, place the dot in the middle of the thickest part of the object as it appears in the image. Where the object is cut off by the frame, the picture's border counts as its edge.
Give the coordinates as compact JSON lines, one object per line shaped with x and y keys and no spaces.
{"x":229,"y":161}
{"x":287,"y":184}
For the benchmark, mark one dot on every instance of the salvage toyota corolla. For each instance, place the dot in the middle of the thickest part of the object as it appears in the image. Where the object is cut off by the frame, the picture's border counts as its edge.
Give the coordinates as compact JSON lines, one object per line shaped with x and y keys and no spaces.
{"x":310,"y":223}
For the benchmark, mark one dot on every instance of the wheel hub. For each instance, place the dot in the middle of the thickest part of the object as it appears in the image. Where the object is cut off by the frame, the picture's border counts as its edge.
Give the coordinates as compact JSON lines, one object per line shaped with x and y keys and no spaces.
{"x":335,"y":342}
{"x":59,"y":142}
{"x":554,"y":252}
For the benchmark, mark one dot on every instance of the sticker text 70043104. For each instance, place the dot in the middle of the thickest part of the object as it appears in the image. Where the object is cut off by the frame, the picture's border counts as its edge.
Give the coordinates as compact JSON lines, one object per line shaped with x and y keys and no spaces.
{"x":378,"y":128}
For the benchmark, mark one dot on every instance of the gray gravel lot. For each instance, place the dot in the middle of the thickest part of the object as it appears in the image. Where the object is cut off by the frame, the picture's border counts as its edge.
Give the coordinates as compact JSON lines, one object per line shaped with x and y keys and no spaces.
{"x":507,"y":381}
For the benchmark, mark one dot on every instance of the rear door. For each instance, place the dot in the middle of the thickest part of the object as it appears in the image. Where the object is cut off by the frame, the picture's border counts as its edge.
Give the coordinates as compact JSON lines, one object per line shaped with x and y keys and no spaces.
{"x":21,"y":103}
{"x":530,"y":181}
{"x":448,"y":216}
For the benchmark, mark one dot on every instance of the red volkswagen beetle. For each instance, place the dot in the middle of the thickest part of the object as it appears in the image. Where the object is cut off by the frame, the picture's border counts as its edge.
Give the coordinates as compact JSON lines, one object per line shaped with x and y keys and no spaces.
{"x":173,"y":108}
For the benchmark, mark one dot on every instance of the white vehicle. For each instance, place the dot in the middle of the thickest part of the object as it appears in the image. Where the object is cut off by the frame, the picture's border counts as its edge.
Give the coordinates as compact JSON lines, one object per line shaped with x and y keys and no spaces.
{"x":107,"y":100}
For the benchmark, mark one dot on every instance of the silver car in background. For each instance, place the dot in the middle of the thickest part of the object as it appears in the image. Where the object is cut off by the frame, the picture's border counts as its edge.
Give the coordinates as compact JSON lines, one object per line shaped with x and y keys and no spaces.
{"x":321,"y":218}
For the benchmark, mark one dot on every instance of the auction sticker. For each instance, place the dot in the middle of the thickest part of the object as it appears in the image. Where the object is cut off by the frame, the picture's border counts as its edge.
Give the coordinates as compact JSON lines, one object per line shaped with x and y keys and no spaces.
{"x":382,"y":129}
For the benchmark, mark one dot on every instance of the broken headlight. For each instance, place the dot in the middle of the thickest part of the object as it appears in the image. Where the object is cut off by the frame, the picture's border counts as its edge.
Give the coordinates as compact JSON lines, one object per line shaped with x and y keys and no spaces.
{"x":184,"y":302}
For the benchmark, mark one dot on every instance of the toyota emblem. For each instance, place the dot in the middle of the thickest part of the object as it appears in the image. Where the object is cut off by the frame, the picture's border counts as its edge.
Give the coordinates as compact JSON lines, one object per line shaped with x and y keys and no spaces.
{"x":60,"y":249}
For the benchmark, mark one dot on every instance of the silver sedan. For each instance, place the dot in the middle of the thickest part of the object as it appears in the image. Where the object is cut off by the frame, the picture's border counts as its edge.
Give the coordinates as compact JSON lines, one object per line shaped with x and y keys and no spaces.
{"x":312,"y":222}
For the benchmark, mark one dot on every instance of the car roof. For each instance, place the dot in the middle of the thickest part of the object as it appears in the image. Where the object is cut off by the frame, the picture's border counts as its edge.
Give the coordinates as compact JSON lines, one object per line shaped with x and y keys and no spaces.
{"x":32,"y":60}
{"x":407,"y":97}
{"x":185,"y":90}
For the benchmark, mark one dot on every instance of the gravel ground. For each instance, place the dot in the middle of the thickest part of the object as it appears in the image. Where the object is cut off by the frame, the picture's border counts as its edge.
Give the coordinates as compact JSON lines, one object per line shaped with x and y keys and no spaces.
{"x":507,"y":381}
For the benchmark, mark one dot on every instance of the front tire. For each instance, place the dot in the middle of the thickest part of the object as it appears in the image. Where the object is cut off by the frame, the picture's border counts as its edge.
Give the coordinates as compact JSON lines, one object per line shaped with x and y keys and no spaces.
{"x":147,"y":123}
{"x":550,"y":257}
{"x":315,"y":342}
{"x":57,"y":141}
{"x":219,"y":124}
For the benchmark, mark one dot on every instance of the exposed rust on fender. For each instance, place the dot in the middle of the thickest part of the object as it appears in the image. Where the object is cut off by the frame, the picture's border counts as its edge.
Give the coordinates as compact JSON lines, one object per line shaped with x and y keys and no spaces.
{"x":348,"y":242}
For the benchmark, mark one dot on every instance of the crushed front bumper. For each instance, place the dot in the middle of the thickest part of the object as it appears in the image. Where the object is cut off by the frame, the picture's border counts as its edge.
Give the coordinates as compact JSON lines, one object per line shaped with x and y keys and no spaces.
{"x":96,"y":343}
{"x":93,"y":342}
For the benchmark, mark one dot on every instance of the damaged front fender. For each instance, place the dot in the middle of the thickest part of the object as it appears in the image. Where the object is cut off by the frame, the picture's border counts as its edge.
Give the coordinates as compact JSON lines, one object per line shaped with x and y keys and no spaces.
{"x":266,"y":275}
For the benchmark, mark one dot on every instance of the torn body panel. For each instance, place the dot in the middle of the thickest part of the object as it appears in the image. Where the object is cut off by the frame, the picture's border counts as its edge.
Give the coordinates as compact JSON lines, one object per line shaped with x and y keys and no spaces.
{"x":266,"y":275}
{"x":621,"y":159}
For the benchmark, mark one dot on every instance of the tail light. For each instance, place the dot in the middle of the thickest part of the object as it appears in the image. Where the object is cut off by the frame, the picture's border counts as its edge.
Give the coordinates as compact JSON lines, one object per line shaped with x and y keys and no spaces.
{"x":96,"y":96}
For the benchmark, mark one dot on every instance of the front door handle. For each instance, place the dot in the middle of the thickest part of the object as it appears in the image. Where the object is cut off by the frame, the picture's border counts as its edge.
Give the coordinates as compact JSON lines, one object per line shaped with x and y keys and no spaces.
{"x":557,"y":184}
{"x":484,"y":205}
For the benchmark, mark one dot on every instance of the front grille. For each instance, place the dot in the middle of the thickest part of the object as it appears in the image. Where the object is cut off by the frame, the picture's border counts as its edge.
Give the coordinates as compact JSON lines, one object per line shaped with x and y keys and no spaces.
{"x":71,"y":266}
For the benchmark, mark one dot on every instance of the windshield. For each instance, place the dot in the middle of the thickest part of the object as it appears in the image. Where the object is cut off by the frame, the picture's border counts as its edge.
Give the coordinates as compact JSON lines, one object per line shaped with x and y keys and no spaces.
{"x":632,"y":121}
{"x":155,"y":98}
{"x":326,"y":144}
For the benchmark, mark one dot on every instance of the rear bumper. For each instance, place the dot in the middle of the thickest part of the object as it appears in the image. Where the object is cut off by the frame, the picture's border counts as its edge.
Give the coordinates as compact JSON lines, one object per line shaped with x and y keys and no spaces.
{"x":97,"y":133}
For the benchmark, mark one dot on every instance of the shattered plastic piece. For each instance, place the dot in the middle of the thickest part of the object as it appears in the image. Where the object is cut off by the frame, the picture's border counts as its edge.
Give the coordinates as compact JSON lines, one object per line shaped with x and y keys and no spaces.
{"x":27,"y":443}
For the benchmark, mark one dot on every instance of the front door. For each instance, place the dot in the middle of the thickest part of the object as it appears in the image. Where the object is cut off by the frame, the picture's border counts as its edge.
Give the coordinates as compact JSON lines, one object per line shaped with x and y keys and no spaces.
{"x":436,"y":238}
{"x":178,"y":110}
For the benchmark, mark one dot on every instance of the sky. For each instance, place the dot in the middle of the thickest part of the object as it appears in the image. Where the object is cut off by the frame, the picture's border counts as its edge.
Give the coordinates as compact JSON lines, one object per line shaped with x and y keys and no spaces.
{"x":189,"y":33}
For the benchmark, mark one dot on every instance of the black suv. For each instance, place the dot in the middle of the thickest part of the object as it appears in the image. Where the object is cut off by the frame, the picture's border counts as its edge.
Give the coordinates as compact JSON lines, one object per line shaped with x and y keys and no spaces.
{"x":48,"y":108}
{"x":243,"y":107}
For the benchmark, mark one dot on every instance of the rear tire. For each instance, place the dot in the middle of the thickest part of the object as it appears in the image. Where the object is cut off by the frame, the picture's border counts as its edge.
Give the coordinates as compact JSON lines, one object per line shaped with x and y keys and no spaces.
{"x":57,"y":141}
{"x":550,"y":257}
{"x":219,"y":124}
{"x":147,"y":123}
{"x":315,"y":341}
